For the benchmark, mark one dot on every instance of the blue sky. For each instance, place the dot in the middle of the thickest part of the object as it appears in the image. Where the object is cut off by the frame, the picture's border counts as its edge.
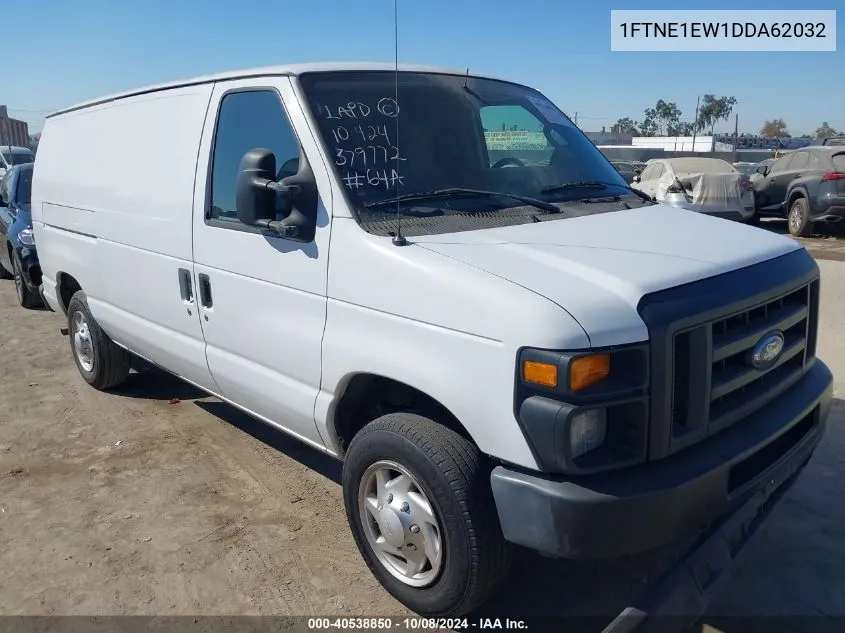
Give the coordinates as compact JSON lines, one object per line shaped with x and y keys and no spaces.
{"x":72,"y":50}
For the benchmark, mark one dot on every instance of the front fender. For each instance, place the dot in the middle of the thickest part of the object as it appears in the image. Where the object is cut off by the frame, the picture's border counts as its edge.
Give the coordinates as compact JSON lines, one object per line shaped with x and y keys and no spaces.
{"x":460,"y":371}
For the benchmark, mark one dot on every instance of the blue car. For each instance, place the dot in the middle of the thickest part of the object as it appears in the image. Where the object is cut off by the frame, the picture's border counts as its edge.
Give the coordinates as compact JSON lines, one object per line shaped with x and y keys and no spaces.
{"x":18,"y":257}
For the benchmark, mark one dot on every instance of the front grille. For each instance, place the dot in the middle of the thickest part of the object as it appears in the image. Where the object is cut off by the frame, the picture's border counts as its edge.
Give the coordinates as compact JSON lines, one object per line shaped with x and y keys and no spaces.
{"x":714,"y":385}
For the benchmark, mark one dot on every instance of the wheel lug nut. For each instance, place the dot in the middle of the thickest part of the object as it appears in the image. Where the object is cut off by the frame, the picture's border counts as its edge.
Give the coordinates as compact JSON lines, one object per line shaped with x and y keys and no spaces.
{"x":405,"y":507}
{"x":389,"y":498}
{"x":415,"y":528}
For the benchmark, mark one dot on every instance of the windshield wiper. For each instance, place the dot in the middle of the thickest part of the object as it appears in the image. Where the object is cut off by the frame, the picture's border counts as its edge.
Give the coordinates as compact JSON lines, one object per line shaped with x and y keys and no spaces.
{"x":594,"y":184}
{"x":458,"y":191}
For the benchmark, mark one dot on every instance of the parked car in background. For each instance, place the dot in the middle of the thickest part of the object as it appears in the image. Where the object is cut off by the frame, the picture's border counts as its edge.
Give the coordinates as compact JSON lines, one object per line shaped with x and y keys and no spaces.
{"x":626,"y":169}
{"x":14,"y":155}
{"x":746,"y":169}
{"x":834,"y":140}
{"x":757,"y":171}
{"x":807,"y":187}
{"x":706,"y":185}
{"x":18,"y":257}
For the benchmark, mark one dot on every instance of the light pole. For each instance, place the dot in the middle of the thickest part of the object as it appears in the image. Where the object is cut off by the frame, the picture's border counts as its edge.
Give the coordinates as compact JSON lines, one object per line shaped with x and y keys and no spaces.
{"x":695,"y":122}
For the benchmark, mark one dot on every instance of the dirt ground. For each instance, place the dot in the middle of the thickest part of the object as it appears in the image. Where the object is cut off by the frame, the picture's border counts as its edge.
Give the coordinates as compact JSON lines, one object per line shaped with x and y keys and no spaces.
{"x":159,"y":500}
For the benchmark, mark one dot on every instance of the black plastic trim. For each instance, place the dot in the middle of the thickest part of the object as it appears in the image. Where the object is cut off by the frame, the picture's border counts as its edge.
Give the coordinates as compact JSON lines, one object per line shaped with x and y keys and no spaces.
{"x":644,"y":507}
{"x":684,"y":308}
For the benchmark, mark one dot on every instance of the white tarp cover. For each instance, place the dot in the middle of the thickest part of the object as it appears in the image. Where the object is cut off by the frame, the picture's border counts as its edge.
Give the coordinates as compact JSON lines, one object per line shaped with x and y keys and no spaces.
{"x":711,"y":185}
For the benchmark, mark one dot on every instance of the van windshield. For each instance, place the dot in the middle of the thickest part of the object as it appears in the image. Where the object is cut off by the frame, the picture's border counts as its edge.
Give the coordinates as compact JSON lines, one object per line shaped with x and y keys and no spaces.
{"x":505,"y":142}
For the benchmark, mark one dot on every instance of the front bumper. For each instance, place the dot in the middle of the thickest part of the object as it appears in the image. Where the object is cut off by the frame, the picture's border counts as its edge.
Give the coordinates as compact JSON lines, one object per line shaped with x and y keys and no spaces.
{"x":30,"y":267}
{"x":646,"y":507}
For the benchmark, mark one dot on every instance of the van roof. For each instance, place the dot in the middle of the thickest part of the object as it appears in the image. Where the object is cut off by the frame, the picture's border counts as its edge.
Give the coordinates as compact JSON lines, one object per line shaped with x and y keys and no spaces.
{"x":263,"y":71}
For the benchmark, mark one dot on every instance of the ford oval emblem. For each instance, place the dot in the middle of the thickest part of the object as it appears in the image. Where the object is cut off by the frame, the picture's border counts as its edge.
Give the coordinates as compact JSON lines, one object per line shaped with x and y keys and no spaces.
{"x":767,"y":351}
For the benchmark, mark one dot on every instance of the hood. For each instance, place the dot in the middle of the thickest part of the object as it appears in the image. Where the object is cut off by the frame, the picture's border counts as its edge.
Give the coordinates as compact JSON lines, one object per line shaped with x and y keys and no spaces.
{"x":598,"y":267}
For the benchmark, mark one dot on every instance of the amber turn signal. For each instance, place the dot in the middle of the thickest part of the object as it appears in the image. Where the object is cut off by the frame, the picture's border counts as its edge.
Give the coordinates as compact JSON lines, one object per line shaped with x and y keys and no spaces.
{"x":588,"y":370}
{"x":539,"y":373}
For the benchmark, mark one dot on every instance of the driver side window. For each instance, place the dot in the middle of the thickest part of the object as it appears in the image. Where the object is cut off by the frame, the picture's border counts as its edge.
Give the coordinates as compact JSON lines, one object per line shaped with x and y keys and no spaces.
{"x":512,"y":132}
{"x":249,"y":119}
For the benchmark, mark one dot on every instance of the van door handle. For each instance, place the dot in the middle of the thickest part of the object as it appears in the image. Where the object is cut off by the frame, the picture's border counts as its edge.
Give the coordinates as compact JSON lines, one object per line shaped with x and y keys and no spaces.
{"x":185,"y":286}
{"x":205,"y":290}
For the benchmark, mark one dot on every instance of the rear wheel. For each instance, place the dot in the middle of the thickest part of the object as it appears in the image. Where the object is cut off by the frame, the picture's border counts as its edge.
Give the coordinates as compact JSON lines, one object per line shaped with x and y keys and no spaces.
{"x":799,"y":218}
{"x":26,"y":297}
{"x":102,"y":363}
{"x":419,"y":505}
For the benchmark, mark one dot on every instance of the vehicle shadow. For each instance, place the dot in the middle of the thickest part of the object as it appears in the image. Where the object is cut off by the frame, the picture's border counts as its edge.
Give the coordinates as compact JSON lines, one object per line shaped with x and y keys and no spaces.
{"x":319,"y":462}
{"x":148,"y":382}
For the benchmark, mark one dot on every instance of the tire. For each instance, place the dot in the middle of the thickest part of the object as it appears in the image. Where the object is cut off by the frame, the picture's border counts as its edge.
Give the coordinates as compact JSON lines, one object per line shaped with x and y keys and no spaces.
{"x":452,"y":475}
{"x":102,"y":363}
{"x":26,"y":297}
{"x":798,"y":218}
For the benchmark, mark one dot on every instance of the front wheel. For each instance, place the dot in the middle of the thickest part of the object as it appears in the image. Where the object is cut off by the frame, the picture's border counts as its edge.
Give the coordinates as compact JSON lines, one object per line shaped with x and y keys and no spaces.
{"x":419,"y":505}
{"x":799,"y":218}
{"x":102,"y":363}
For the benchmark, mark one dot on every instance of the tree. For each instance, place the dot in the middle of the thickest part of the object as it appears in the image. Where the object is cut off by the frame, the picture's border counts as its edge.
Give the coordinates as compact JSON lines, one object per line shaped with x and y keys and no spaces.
{"x":775,"y":127}
{"x":713,"y":110}
{"x":647,"y":128}
{"x":825,"y":131}
{"x":662,"y":117}
{"x":624,"y":126}
{"x":684,"y":128}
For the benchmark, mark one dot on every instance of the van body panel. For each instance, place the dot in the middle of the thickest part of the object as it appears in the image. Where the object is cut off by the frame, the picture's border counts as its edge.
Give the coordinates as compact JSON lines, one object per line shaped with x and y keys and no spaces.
{"x":264,"y":329}
{"x":116,"y":216}
{"x":383,"y":319}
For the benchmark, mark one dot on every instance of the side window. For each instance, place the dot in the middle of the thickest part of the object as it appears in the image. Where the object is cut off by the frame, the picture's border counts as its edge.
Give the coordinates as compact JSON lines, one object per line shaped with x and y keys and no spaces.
{"x":23,"y":189}
{"x":511,"y":131}
{"x":781,"y":164}
{"x":816,"y":163}
{"x":248,"y":120}
{"x":800,"y":160}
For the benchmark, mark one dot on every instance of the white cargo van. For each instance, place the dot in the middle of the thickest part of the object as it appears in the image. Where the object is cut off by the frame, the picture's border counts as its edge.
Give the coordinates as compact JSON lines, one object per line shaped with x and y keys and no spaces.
{"x":439,"y":279}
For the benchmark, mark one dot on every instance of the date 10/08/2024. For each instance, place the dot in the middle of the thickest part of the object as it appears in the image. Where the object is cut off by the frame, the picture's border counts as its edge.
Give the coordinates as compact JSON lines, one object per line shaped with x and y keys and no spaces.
{"x":364,"y":144}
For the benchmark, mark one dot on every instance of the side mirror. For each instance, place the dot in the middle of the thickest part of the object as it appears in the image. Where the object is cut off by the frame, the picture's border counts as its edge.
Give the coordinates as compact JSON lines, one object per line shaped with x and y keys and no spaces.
{"x":257,"y":191}
{"x":636,"y":178}
{"x":762,"y":170}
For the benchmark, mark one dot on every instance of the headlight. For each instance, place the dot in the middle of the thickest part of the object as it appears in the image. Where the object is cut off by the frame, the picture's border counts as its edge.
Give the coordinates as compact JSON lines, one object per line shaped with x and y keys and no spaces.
{"x":26,"y":237}
{"x":587,"y":431}
{"x":584,"y":411}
